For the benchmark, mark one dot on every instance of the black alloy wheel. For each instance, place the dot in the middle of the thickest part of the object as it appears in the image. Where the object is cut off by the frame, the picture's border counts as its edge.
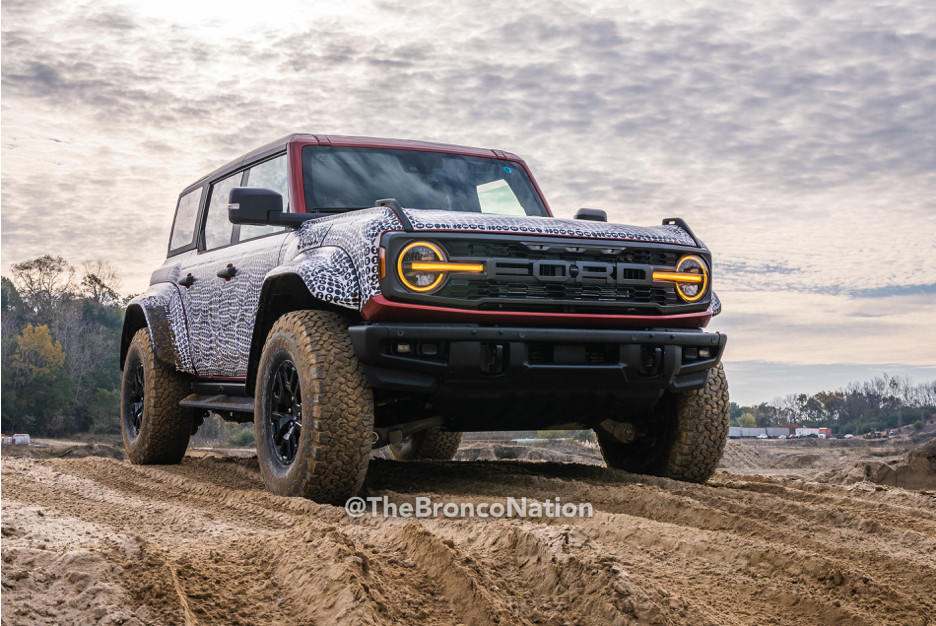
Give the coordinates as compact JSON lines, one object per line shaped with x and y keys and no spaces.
{"x":133,"y":415}
{"x":285,"y":416}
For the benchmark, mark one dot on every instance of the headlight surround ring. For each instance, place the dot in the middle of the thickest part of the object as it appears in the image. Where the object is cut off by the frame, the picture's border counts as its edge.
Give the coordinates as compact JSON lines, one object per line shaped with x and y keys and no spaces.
{"x":416,"y":252}
{"x":691,"y":264}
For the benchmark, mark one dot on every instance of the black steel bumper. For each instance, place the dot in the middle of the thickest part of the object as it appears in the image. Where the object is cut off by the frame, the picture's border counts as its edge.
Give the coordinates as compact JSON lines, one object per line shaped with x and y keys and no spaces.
{"x":487,"y":374}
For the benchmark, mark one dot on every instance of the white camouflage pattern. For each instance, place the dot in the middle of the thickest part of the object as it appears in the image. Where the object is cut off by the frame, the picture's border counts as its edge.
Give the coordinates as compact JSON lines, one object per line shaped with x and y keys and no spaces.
{"x":337,"y":259}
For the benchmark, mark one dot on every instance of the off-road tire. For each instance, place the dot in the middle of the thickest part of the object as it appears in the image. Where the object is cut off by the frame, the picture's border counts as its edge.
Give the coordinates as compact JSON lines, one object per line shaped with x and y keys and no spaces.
{"x":430,"y":444}
{"x":686,"y":435}
{"x":163,"y":432}
{"x":337,"y":409}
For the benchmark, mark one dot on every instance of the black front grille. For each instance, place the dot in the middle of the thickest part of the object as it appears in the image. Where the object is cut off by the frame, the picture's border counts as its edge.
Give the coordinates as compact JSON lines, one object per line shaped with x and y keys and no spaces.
{"x":527,"y":273}
{"x":483,"y":289}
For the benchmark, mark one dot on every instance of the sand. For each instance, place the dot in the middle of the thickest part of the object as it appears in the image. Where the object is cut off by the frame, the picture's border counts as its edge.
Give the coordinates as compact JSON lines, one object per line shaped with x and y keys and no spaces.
{"x":784,"y":533}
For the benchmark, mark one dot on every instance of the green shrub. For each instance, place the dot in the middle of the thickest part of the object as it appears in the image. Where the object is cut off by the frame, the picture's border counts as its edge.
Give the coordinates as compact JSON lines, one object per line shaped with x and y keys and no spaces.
{"x":104,"y":411}
{"x":243,"y":438}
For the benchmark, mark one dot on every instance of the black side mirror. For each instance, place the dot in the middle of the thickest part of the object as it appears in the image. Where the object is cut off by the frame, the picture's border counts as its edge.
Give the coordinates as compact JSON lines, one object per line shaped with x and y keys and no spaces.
{"x":593,"y":215}
{"x":261,"y":207}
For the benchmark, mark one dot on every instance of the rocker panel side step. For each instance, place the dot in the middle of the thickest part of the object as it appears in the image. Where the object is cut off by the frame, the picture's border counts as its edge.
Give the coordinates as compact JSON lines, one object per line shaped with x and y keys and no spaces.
{"x":218,"y":402}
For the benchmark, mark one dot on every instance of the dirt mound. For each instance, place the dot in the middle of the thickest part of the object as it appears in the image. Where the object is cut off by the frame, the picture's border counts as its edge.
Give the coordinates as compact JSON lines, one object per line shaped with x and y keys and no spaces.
{"x":42,"y":449}
{"x":96,"y":540}
{"x":759,"y":456}
{"x":914,"y":470}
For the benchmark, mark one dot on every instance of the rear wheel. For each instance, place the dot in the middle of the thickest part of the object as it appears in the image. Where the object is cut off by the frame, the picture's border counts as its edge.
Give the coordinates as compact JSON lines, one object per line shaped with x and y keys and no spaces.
{"x":430,"y":444}
{"x":686,"y":437}
{"x":155,"y":428}
{"x":314,"y":412}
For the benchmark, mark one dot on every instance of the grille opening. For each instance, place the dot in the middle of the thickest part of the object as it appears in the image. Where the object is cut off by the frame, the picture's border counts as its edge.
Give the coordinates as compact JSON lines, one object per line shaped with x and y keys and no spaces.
{"x":601,"y":354}
{"x":540,"y":353}
{"x":572,"y":354}
{"x":483,"y":289}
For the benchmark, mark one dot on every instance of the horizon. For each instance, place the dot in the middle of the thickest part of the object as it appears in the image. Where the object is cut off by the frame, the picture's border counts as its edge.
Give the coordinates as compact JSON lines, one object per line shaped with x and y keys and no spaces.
{"x":796,"y":140}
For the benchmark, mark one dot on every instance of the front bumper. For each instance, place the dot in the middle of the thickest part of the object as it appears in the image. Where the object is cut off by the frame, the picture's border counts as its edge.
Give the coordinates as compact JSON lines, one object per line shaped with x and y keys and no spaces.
{"x":483,"y":377}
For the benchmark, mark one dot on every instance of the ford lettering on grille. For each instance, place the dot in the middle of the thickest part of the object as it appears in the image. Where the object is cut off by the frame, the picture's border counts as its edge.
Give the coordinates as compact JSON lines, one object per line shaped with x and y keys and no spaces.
{"x":560,"y":271}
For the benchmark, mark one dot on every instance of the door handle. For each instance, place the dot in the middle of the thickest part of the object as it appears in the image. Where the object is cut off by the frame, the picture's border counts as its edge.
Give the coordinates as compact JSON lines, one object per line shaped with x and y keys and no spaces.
{"x":187,"y":281}
{"x":228,"y":272}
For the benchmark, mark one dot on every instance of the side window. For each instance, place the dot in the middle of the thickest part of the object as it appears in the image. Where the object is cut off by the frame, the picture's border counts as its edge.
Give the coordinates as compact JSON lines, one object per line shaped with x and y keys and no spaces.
{"x":183,"y":229}
{"x":268,"y":175}
{"x":218,"y":228}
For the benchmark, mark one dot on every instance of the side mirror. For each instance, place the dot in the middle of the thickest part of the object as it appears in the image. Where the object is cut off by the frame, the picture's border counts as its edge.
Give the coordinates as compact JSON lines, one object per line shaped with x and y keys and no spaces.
{"x":261,"y":207}
{"x":593,"y":215}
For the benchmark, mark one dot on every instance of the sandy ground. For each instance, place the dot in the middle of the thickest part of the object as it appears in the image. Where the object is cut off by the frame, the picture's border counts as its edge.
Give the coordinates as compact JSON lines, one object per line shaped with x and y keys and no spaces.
{"x":785,"y":533}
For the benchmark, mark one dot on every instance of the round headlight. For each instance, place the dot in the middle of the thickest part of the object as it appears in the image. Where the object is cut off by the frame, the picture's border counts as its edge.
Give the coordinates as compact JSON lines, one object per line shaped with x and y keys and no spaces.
{"x":416,"y":253}
{"x":692,"y":291}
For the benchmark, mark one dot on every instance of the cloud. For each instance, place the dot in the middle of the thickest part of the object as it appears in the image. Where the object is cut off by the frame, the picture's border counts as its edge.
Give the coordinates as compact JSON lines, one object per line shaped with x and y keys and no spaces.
{"x":898,"y":290}
{"x":798,"y":140}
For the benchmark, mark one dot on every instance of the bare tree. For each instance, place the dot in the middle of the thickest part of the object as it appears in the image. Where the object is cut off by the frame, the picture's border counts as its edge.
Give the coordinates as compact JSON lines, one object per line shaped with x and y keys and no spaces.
{"x":926,"y":394}
{"x":788,"y":407}
{"x":76,"y":337}
{"x":101,"y":282}
{"x":45,"y":284}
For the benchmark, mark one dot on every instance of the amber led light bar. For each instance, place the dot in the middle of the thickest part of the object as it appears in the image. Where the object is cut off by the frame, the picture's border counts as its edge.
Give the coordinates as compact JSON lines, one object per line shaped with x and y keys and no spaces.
{"x":690,"y":285}
{"x":678,"y":277}
{"x":447,"y":267}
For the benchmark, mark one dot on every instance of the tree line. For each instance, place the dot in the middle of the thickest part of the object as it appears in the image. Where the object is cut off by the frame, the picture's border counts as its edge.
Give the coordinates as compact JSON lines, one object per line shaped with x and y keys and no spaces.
{"x":880,"y":403}
{"x":61,"y":328}
{"x":60,"y":347}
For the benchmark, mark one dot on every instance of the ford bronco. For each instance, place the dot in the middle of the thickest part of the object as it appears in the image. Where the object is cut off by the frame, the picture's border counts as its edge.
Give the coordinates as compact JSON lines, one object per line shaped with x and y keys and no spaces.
{"x":348,"y":293}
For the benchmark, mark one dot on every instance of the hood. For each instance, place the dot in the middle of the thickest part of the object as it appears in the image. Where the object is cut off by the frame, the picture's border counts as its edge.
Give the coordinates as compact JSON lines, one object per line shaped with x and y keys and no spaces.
{"x":424,"y":220}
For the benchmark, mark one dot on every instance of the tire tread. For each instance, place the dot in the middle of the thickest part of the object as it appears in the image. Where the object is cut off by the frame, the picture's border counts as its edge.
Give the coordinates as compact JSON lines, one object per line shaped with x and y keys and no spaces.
{"x":166,"y":428}
{"x":338,"y":408}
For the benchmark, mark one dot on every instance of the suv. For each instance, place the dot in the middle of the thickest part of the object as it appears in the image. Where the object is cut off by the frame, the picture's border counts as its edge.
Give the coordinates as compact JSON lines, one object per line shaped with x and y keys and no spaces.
{"x":348,"y":293}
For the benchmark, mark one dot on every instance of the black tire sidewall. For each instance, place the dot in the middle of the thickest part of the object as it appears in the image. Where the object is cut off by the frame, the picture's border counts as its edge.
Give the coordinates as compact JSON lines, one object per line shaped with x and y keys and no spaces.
{"x":164,"y":427}
{"x":280,"y":348}
{"x":283,"y":479}
{"x":135,"y":357}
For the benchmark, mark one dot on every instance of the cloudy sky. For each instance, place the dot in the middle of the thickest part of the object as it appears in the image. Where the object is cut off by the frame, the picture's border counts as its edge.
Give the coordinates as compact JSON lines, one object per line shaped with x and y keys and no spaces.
{"x":798,"y":139}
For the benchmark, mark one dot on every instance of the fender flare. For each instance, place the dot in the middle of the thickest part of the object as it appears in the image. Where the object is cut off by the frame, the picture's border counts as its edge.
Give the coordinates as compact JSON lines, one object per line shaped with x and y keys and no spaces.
{"x":328,"y":273}
{"x":321,"y":278}
{"x":159,"y":310}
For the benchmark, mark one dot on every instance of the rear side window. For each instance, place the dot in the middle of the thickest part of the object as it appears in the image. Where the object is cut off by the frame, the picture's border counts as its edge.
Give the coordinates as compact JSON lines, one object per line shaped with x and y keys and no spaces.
{"x":183,"y":228}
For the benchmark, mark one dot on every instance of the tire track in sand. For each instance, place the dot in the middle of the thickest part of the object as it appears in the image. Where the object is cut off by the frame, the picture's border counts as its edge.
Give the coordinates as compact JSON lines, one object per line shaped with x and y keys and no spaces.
{"x":210,"y":545}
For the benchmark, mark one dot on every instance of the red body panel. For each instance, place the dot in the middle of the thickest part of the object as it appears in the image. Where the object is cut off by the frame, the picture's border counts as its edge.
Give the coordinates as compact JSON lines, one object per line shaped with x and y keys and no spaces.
{"x":379,"y":309}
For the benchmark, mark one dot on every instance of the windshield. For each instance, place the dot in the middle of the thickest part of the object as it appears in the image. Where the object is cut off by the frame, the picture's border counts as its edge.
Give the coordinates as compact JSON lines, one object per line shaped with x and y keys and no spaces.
{"x":340,"y":178}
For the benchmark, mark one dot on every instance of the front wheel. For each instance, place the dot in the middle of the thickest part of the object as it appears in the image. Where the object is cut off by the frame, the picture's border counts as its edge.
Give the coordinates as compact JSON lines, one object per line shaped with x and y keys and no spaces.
{"x":154,"y":427}
{"x":685,"y":439}
{"x":314,"y":411}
